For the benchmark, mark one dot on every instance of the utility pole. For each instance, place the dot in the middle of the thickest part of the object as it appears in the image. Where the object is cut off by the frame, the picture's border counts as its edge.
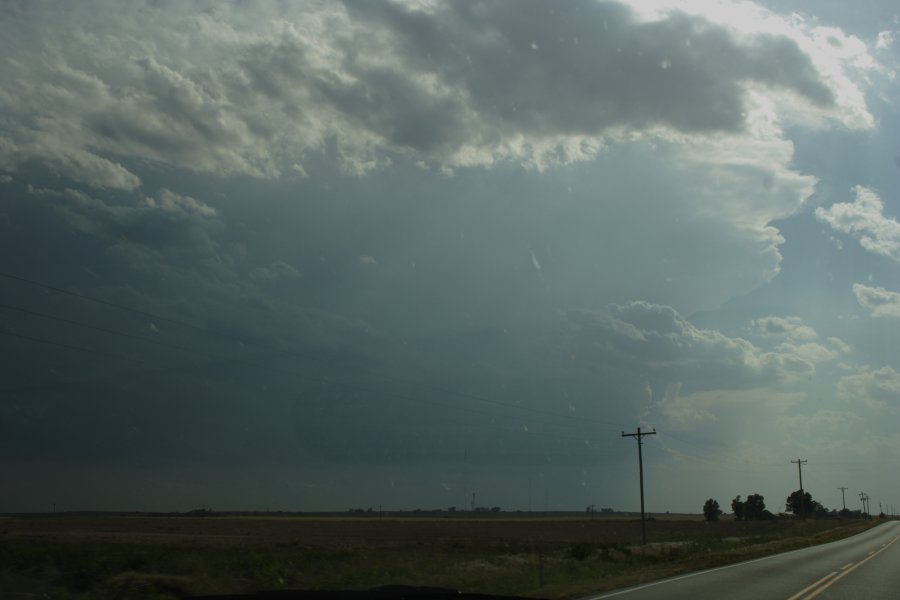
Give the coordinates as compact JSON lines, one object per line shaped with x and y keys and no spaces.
{"x":863,"y":497}
{"x":638,"y":436}
{"x":844,"y":502}
{"x":800,"y":464}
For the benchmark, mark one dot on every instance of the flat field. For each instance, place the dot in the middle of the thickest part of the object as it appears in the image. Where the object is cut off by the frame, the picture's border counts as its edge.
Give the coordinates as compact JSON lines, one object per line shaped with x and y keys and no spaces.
{"x":114,"y":556}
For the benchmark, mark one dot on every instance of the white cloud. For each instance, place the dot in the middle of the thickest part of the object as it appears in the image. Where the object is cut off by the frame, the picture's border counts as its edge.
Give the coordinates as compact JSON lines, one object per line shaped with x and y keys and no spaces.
{"x":79,"y":164}
{"x":180,"y":221}
{"x":876,"y":388}
{"x":840,"y":345}
{"x":811,"y":352}
{"x":175,"y":203}
{"x":879,"y":301}
{"x":826,"y":429}
{"x":885,"y":40}
{"x":656,"y":339}
{"x":739,"y":412}
{"x":790,"y":327}
{"x":277,"y":270}
{"x":686,"y":413}
{"x":841,"y":60}
{"x":864,"y":219}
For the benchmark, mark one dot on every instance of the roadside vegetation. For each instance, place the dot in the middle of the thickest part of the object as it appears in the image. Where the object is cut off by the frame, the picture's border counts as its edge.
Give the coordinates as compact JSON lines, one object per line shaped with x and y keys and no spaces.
{"x":168,"y":557}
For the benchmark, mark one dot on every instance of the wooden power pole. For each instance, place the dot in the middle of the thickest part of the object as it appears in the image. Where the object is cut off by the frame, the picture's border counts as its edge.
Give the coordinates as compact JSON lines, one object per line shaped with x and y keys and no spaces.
{"x":638,"y":436}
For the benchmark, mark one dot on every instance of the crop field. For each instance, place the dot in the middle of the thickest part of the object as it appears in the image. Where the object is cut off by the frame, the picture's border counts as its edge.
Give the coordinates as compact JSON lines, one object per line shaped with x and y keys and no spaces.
{"x":105,"y":556}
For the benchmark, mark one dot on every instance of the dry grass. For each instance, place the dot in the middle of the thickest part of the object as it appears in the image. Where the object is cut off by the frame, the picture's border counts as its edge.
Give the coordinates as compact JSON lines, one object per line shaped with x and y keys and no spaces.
{"x":95,"y":556}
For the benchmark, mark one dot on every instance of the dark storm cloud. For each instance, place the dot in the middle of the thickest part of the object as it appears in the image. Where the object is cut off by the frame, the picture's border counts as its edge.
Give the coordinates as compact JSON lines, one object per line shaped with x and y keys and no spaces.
{"x":576,"y":68}
{"x":255,"y":181}
{"x":174,"y":118}
{"x":363,"y":359}
{"x":266,"y":92}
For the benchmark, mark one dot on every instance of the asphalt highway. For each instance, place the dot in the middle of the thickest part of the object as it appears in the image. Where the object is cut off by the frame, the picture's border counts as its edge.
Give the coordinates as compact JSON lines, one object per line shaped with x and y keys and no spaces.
{"x":863,"y":567}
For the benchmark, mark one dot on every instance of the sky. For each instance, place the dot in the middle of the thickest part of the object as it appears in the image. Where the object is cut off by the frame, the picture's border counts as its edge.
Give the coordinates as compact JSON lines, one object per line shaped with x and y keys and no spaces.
{"x":325,"y":255}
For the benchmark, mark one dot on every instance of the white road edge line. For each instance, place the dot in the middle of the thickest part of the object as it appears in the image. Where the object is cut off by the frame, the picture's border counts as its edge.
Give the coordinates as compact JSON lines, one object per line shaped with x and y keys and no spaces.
{"x":698,"y":573}
{"x":722,"y":568}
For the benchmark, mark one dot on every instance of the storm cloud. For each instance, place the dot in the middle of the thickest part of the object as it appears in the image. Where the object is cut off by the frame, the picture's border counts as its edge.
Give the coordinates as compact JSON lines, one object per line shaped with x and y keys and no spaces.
{"x":369,"y":247}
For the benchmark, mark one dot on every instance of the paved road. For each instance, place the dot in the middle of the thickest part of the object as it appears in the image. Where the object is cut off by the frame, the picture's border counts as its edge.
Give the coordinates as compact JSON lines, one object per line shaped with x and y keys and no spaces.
{"x":863,"y":567}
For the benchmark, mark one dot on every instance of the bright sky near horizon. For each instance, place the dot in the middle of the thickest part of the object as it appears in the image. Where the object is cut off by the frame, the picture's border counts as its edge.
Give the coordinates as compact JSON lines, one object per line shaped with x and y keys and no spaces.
{"x":321,"y":255}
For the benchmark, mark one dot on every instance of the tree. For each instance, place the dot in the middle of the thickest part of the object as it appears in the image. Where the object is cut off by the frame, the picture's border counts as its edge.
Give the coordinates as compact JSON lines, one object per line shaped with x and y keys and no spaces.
{"x":737,"y":507}
{"x":711,"y":510}
{"x":754,"y":507}
{"x":802,"y":504}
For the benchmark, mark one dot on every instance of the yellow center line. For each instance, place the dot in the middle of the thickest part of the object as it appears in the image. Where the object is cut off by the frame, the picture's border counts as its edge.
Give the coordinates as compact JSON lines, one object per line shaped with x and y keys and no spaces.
{"x":850,"y":564}
{"x":827,"y":581}
{"x":812,"y":585}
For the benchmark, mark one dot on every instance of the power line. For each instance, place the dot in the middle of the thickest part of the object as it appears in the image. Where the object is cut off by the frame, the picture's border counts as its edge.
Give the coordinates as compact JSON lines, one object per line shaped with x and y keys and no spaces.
{"x":121,"y":375}
{"x":484,"y":399}
{"x":96,"y":300}
{"x":38,"y":340}
{"x":35,"y":313}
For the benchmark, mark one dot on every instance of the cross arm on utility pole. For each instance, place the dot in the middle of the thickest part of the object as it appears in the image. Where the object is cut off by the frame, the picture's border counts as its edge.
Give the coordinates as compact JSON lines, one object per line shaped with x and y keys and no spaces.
{"x":864,"y":499}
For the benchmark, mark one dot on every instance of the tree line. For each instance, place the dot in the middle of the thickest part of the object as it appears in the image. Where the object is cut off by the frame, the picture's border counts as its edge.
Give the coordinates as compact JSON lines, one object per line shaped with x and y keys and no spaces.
{"x":799,"y":503}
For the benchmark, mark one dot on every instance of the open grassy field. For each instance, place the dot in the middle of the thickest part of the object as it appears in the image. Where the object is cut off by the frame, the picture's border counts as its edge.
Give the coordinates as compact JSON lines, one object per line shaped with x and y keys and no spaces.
{"x":97,"y":556}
